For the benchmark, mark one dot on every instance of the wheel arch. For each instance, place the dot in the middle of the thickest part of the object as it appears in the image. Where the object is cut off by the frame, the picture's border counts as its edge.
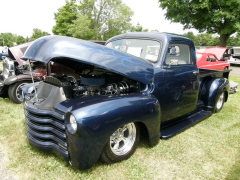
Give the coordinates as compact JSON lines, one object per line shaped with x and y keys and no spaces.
{"x":211,"y":89}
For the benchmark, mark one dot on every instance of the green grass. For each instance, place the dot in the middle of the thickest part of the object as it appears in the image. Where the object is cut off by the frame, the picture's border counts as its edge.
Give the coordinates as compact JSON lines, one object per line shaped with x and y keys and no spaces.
{"x":208,"y":150}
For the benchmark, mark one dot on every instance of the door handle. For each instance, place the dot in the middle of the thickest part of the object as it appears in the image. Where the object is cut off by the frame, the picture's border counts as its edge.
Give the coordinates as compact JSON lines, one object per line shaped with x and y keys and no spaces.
{"x":195,"y":72}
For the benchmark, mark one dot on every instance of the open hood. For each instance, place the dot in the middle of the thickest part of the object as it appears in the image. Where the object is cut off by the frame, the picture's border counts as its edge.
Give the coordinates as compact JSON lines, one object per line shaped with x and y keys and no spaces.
{"x":17,"y":52}
{"x":217,"y":51}
{"x":49,"y":48}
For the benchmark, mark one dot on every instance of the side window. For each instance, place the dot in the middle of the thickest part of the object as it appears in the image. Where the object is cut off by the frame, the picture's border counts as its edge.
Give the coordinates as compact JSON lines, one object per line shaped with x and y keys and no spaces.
{"x":211,"y":58}
{"x":178,"y":54}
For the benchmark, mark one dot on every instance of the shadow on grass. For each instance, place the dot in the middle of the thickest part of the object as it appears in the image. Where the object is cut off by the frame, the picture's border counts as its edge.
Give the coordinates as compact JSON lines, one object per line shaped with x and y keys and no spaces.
{"x":5,"y":99}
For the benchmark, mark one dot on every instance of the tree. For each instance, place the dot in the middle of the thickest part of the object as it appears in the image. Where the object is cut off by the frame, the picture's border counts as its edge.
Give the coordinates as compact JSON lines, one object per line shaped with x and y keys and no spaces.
{"x":138,"y":28}
{"x":213,"y":16}
{"x":7,"y":39}
{"x":190,"y":35}
{"x":81,"y":28}
{"x":234,"y":40}
{"x":64,"y":18}
{"x":37,"y":33}
{"x":93,"y":19}
{"x":116,"y":21}
{"x":203,"y":40}
{"x":20,"y":40}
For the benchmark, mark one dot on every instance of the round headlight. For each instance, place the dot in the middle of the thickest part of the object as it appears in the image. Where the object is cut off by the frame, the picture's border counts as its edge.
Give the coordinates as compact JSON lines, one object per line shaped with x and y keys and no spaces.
{"x":73,"y":123}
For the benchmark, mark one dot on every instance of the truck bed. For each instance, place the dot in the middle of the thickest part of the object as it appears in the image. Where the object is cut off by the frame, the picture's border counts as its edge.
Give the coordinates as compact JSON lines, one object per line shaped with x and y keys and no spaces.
{"x":213,"y":73}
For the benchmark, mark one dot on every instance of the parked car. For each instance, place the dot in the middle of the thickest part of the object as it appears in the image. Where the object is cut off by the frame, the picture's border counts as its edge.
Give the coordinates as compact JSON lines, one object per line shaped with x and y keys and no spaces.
{"x":3,"y":55}
{"x":234,"y":58}
{"x":16,"y":73}
{"x":213,"y":58}
{"x":109,"y":96}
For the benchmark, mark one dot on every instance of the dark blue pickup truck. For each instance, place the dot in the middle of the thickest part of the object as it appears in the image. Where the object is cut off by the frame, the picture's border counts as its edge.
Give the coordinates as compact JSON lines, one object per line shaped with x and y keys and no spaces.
{"x":100,"y":100}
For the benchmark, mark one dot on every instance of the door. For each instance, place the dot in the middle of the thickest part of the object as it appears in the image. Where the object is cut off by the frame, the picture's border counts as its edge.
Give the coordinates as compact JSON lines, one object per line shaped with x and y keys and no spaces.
{"x":177,"y":89}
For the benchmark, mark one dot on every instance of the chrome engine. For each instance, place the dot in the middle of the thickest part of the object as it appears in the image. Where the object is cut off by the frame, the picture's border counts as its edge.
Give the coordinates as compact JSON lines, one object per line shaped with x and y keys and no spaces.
{"x":93,"y":86}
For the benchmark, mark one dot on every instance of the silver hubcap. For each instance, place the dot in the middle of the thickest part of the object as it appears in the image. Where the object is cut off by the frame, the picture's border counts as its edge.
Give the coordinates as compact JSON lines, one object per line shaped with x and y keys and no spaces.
{"x":18,"y":90}
{"x":122,"y":140}
{"x":220,"y":101}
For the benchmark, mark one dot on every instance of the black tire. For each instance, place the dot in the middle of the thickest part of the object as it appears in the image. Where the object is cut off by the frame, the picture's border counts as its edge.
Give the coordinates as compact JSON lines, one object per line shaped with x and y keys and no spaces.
{"x":219,"y":102}
{"x":226,"y":68}
{"x":121,"y":144}
{"x":14,"y":91}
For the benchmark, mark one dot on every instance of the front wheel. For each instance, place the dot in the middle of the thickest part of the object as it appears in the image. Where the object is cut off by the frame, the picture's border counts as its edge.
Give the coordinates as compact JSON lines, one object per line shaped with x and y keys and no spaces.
{"x":121,"y":144}
{"x":14,"y":91}
{"x":220,"y":102}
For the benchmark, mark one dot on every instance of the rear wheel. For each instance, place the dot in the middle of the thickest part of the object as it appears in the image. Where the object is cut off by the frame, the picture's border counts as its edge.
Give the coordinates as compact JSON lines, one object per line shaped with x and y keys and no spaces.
{"x":220,"y":102}
{"x":14,"y":91}
{"x":121,"y":144}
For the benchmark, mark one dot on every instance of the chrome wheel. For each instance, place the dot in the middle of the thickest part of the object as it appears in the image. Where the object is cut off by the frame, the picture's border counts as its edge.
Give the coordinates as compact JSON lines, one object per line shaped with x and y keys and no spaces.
{"x":220,"y":101}
{"x":19,"y":91}
{"x":122,"y":140}
{"x":121,"y":144}
{"x":14,"y":91}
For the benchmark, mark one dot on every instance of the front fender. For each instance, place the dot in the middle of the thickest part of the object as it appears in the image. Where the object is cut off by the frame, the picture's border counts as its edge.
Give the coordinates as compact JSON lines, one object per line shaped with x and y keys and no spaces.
{"x":10,"y":80}
{"x":23,"y":77}
{"x":98,"y":117}
{"x":212,"y":89}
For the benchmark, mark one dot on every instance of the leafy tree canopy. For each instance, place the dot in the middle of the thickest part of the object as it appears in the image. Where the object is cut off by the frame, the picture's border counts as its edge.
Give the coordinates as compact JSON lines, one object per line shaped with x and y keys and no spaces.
{"x":93,"y":19}
{"x":138,"y":28}
{"x":64,"y":18}
{"x":234,"y":40}
{"x":9,"y":39}
{"x":213,"y":16}
{"x":206,"y":39}
{"x":37,"y":33}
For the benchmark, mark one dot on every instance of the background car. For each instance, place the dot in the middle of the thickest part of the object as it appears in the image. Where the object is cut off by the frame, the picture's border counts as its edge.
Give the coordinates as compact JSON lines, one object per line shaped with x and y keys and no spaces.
{"x":213,"y":58}
{"x":16,"y":73}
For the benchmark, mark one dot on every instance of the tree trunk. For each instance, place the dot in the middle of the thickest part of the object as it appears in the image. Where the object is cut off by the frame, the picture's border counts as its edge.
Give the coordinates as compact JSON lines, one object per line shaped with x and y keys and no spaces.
{"x":223,"y":39}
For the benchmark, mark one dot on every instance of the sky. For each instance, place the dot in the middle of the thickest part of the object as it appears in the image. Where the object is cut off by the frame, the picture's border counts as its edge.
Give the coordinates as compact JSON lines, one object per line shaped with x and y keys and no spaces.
{"x":20,"y":17}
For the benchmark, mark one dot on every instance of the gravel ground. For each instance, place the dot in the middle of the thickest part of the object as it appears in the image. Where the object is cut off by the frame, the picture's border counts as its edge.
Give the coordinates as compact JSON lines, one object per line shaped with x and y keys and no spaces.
{"x":235,"y":70}
{"x":5,"y":174}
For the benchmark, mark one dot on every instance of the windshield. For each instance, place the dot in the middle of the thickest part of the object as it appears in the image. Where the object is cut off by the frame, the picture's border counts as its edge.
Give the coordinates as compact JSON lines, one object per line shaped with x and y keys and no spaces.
{"x":143,"y":48}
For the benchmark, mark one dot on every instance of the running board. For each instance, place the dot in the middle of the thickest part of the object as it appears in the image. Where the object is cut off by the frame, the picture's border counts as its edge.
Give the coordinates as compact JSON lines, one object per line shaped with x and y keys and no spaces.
{"x":169,"y":131}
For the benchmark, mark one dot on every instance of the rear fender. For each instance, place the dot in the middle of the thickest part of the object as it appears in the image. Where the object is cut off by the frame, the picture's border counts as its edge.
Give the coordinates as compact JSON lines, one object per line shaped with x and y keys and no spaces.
{"x":212,"y":89}
{"x":98,"y":117}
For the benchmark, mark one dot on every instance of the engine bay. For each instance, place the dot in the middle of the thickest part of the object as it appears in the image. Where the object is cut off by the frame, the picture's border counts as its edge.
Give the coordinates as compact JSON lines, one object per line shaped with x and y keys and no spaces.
{"x":90,"y":81}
